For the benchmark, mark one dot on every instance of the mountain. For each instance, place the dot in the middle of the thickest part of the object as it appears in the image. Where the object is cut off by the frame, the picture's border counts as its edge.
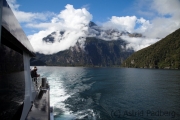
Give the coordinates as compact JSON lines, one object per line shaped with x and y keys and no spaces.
{"x":93,"y":31}
{"x":99,"y":47}
{"x":164,"y":54}
{"x":96,"y":52}
{"x":35,"y":61}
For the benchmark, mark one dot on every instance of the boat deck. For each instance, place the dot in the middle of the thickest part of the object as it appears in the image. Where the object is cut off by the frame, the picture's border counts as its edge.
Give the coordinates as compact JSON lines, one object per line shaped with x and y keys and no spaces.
{"x":40,"y":109}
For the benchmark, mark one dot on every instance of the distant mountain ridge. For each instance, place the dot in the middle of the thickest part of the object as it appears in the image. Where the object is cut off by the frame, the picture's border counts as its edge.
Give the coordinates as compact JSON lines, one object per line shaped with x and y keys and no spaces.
{"x":102,"y":47}
{"x":93,"y":31}
{"x":97,"y":52}
{"x":164,"y":54}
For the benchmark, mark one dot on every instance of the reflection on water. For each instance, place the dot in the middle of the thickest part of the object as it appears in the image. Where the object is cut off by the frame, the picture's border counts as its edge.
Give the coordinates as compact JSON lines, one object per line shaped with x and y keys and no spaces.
{"x":113,"y":93}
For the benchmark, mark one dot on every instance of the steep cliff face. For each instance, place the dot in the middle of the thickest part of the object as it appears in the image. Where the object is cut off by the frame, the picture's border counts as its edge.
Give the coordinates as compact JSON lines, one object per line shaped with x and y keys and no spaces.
{"x":96,"y":52}
{"x":163,"y":54}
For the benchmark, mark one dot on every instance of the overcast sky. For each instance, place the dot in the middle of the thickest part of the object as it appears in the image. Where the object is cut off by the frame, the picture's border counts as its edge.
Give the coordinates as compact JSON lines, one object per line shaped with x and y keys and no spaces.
{"x":38,"y":18}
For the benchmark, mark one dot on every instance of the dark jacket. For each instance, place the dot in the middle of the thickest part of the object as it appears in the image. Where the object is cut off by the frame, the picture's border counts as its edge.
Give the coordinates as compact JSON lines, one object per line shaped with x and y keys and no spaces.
{"x":34,"y":74}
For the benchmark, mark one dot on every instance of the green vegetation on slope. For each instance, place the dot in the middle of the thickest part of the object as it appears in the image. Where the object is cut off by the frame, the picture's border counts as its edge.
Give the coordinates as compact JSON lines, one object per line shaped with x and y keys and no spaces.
{"x":163,"y":54}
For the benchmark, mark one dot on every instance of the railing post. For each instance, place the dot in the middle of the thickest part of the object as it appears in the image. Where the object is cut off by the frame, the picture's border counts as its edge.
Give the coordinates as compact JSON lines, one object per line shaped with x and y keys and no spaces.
{"x":43,"y":84}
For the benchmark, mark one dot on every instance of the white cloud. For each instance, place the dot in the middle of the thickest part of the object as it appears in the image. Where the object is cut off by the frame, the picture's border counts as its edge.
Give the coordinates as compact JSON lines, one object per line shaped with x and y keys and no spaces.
{"x":164,"y":7}
{"x":50,"y":48}
{"x":166,"y":21}
{"x":165,"y":17}
{"x":144,"y":25}
{"x":31,"y":17}
{"x":13,"y":4}
{"x":28,"y":16}
{"x":73,"y":21}
{"x":162,"y":25}
{"x":138,"y":43}
{"x":126,"y":23}
{"x":75,"y":18}
{"x":68,"y":19}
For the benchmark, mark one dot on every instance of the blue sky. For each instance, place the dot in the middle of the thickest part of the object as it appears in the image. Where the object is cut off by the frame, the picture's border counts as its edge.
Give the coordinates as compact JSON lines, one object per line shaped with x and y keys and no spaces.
{"x":102,"y":10}
{"x":152,"y":18}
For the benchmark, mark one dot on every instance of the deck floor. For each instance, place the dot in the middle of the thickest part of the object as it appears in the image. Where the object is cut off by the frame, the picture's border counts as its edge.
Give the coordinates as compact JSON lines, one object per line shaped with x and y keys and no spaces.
{"x":40,"y":108}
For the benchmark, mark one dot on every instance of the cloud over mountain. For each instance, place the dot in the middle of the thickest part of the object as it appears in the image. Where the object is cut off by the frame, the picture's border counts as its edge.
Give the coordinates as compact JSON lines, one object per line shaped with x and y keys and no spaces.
{"x":75,"y":23}
{"x":126,"y":23}
{"x":168,"y":19}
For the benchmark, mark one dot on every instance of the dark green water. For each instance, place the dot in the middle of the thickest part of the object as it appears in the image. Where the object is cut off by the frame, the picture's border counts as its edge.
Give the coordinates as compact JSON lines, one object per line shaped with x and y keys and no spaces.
{"x":113,"y":93}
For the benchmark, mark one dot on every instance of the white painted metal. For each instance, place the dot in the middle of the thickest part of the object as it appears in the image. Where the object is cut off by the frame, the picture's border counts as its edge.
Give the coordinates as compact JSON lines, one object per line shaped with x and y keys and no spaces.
{"x":29,"y":88}
{"x":1,"y":4}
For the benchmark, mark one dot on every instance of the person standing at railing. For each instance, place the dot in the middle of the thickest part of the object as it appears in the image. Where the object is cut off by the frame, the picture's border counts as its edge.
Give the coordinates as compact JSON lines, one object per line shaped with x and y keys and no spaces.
{"x":34,"y":74}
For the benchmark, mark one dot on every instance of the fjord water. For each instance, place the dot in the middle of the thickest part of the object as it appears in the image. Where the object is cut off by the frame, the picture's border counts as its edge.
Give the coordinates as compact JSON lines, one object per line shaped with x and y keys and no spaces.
{"x":113,"y":93}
